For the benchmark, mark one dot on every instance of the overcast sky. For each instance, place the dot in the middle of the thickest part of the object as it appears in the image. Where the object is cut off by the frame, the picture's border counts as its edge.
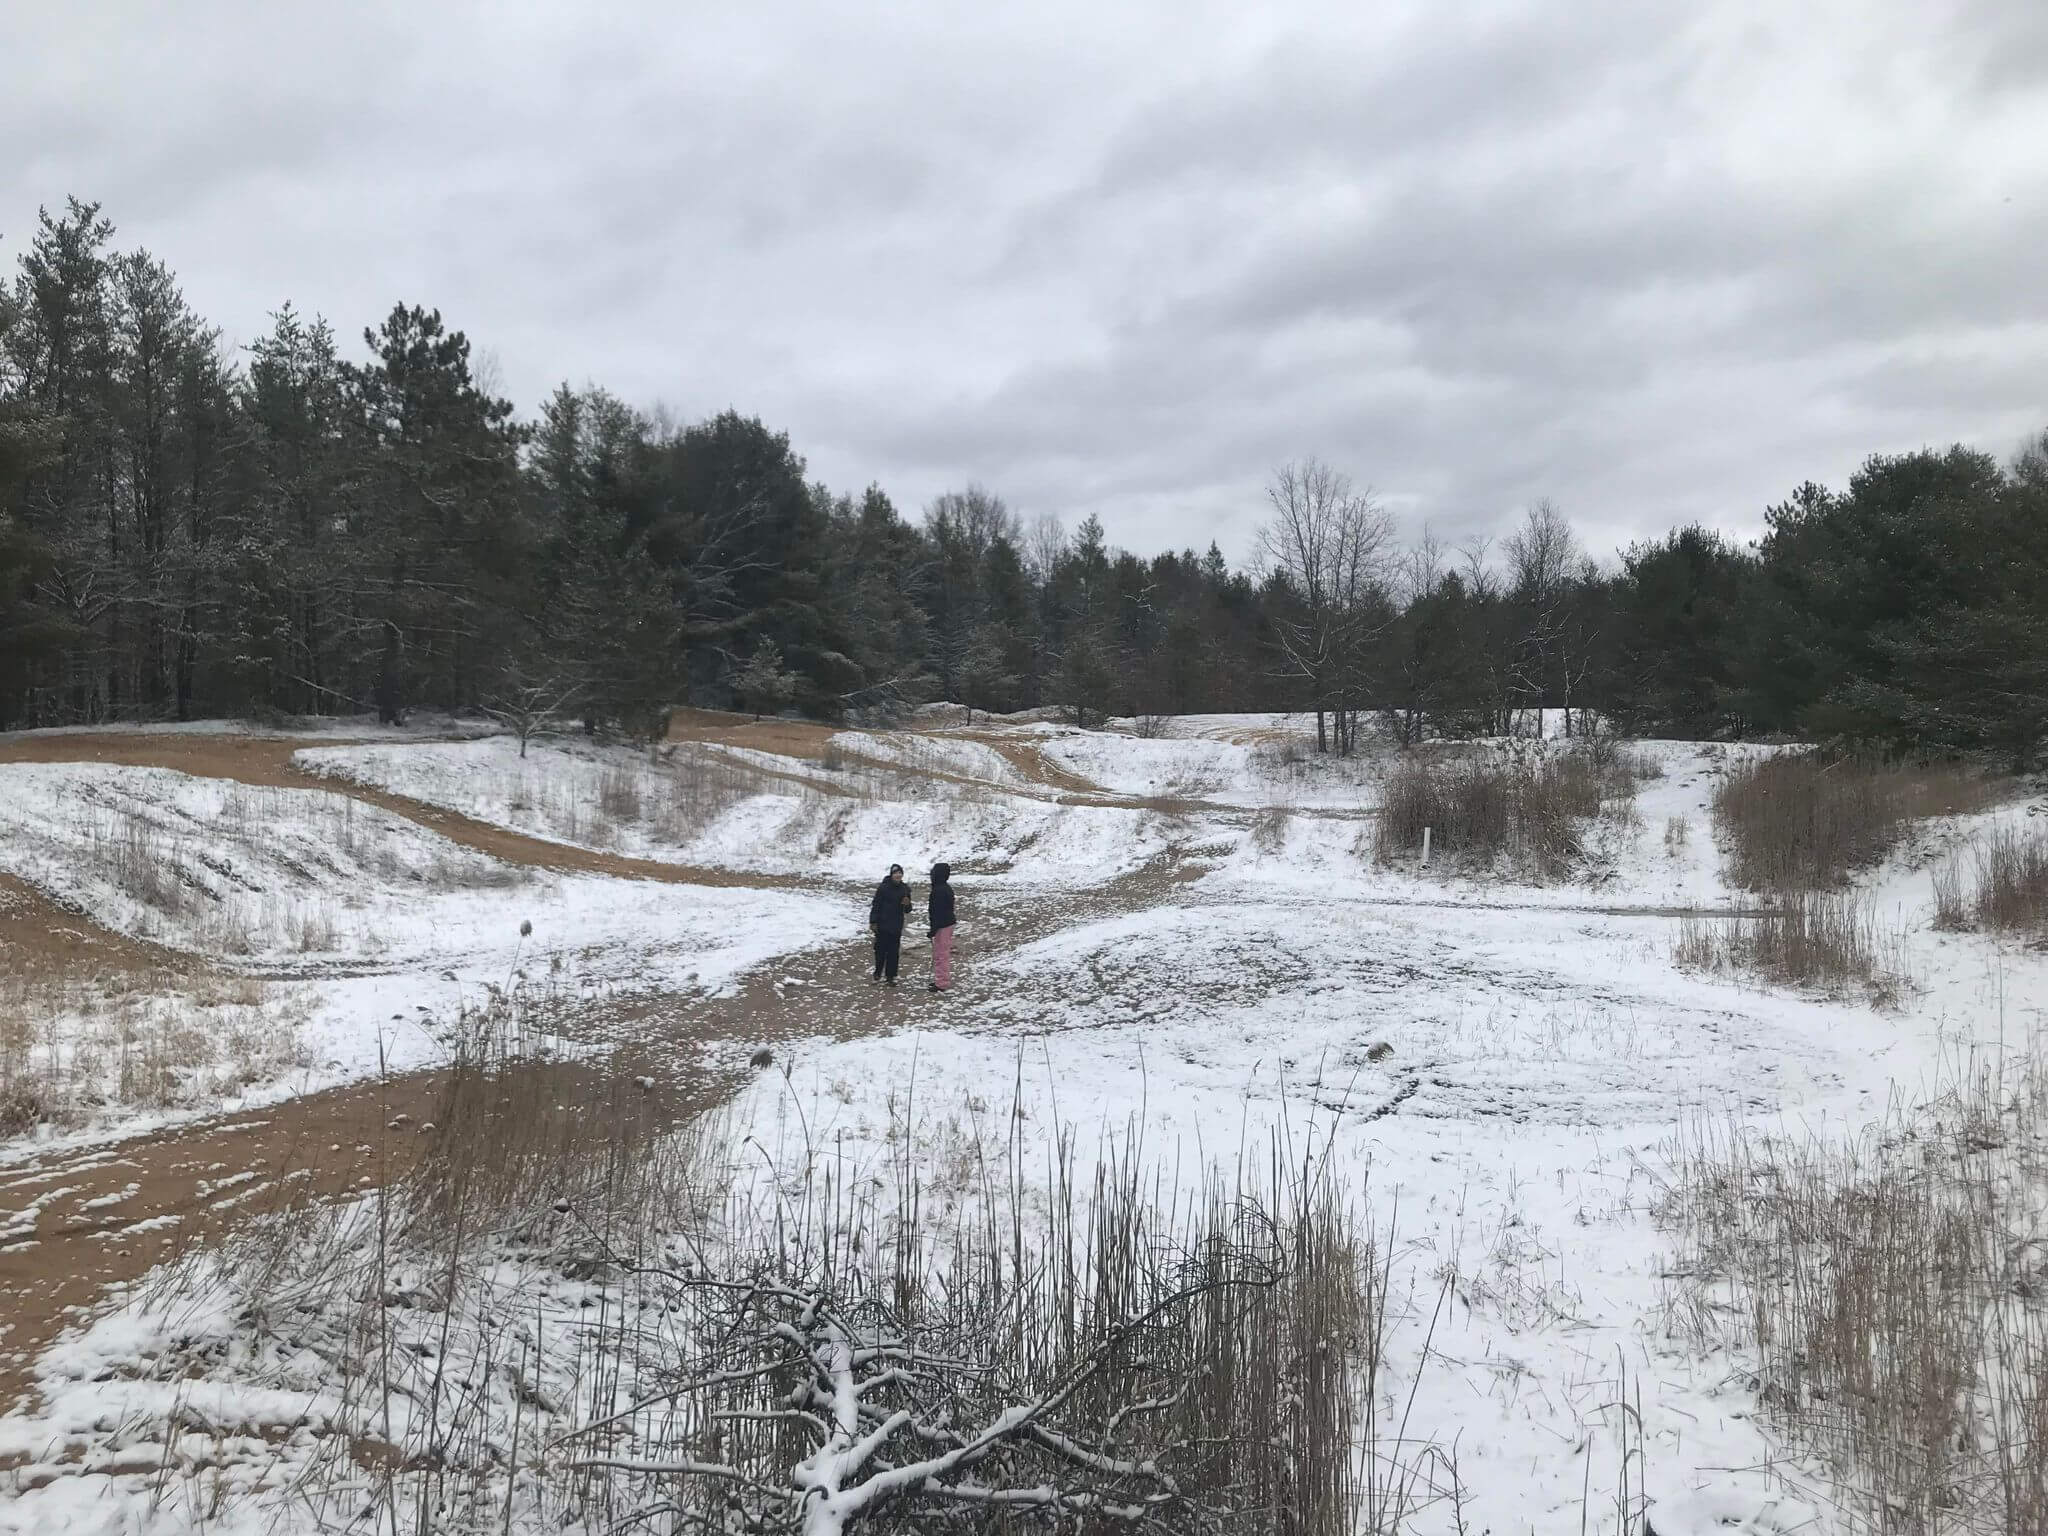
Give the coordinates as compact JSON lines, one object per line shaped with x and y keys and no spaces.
{"x":1127,"y":258}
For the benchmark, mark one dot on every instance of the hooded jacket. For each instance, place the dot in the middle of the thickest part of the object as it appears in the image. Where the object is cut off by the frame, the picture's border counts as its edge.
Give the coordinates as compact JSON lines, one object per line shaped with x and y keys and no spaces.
{"x":939,"y":905}
{"x":891,"y":906}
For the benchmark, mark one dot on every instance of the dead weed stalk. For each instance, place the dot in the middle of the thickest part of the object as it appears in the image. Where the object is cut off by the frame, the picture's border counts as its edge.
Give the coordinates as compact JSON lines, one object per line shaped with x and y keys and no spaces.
{"x":1890,"y":1291}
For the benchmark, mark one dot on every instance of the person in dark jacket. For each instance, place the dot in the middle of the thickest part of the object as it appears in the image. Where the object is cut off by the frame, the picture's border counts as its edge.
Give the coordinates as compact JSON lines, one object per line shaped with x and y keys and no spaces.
{"x":939,"y":909}
{"x":887,"y":914}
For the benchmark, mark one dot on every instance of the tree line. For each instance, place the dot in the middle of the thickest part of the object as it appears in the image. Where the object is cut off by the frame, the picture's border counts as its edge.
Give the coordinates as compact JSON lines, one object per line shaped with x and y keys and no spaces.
{"x":185,"y":533}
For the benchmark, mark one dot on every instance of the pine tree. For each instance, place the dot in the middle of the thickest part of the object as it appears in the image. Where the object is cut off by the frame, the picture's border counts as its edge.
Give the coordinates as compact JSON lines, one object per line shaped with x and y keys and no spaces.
{"x":31,"y":634}
{"x":301,"y":628}
{"x":442,"y":493}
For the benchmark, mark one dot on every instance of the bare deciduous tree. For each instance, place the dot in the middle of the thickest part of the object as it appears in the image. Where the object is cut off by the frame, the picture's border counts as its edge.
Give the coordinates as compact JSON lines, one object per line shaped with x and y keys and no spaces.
{"x":1045,"y":541}
{"x":976,"y":517}
{"x":1550,"y":651}
{"x":1328,"y":543}
{"x":528,"y":706}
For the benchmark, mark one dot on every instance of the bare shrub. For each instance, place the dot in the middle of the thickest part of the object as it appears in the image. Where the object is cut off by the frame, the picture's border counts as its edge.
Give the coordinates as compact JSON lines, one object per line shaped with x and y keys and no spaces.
{"x":1192,"y":1366}
{"x":22,"y":1108}
{"x":1281,"y":758}
{"x":1151,"y":727}
{"x":1809,"y":820}
{"x":1891,"y":1295}
{"x":1819,"y":939}
{"x":1269,"y":831}
{"x":1619,"y":762}
{"x":1517,"y":804}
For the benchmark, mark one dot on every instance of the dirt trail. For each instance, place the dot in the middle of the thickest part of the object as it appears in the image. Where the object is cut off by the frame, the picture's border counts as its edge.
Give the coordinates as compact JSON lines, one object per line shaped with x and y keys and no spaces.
{"x":41,"y":939}
{"x":1030,"y":760}
{"x":813,"y":743}
{"x":72,"y":1224}
{"x":1042,"y":778}
{"x":266,"y":762}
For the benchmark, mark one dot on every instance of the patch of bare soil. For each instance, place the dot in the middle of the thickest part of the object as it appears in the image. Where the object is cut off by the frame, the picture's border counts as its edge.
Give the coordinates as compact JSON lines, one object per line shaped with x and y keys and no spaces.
{"x":803,"y":739}
{"x":784,"y":738}
{"x":1029,"y":760}
{"x":267,"y":763}
{"x":1043,"y":779}
{"x":40,"y":938}
{"x":73,"y":1224}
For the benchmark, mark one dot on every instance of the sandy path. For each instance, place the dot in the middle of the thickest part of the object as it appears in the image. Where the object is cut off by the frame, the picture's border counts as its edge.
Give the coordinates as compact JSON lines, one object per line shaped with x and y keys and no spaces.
{"x":1029,"y":760}
{"x":73,"y":1224}
{"x":39,"y":939}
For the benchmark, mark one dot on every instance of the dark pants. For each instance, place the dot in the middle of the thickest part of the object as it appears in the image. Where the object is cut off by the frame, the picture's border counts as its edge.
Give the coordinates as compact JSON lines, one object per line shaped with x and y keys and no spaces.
{"x":888,"y":952}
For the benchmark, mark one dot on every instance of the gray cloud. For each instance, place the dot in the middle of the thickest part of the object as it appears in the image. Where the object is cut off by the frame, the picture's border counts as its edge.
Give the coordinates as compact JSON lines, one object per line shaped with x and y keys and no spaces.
{"x":1125,"y":262}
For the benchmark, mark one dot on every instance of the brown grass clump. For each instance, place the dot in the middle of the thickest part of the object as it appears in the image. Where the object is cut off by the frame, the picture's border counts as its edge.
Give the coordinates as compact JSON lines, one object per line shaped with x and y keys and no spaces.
{"x":1514,"y":804}
{"x":1951,"y":906}
{"x":2000,"y":884}
{"x":1829,"y":941}
{"x":73,"y":1049}
{"x":1891,"y":1293}
{"x":1798,"y":826}
{"x":2012,"y":880}
{"x":1797,"y":821}
{"x":1677,"y":834}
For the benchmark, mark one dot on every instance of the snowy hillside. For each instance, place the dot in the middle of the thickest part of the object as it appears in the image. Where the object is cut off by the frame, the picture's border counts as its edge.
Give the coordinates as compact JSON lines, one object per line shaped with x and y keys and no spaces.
{"x":1209,"y":948}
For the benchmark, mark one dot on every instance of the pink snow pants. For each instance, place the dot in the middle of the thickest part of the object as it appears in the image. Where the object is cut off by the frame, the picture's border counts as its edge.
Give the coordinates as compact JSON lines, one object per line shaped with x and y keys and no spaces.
{"x":942,"y":958}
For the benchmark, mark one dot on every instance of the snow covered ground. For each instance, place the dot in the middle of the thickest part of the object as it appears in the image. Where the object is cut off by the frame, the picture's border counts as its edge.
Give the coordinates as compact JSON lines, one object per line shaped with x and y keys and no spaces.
{"x":746,"y":810}
{"x":1504,"y":1066}
{"x":367,"y":919}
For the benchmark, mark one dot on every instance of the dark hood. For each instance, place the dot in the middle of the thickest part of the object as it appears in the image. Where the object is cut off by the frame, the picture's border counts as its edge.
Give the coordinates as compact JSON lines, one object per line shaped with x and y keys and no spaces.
{"x":941,"y":873}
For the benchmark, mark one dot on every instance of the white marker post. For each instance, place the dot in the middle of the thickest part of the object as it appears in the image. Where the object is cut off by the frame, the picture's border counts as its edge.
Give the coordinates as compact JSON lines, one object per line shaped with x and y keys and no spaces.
{"x":1425,"y":847}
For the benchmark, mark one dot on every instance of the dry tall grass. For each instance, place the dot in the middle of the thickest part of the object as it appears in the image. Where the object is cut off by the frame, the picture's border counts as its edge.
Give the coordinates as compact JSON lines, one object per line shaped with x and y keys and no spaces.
{"x":1190,"y":1364}
{"x":1525,"y":806}
{"x":1798,"y":826}
{"x":1798,"y":821}
{"x":1891,"y":1292}
{"x":1833,"y":941}
{"x":74,"y":1049}
{"x":2012,"y":881}
{"x":580,"y":1287}
{"x":265,"y":872}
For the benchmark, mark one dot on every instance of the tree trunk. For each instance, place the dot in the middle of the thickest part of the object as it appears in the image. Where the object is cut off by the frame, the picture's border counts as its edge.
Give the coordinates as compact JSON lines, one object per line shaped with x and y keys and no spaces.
{"x":390,"y":696}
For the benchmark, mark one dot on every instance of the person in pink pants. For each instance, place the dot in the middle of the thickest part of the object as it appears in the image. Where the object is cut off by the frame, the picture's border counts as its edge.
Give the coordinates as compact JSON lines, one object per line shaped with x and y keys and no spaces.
{"x":939,"y":909}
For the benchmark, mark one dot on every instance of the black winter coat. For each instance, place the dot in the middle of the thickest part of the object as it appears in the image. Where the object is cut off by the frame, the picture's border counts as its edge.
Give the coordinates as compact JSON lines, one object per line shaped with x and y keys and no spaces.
{"x":890,"y":909}
{"x":939,"y":906}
